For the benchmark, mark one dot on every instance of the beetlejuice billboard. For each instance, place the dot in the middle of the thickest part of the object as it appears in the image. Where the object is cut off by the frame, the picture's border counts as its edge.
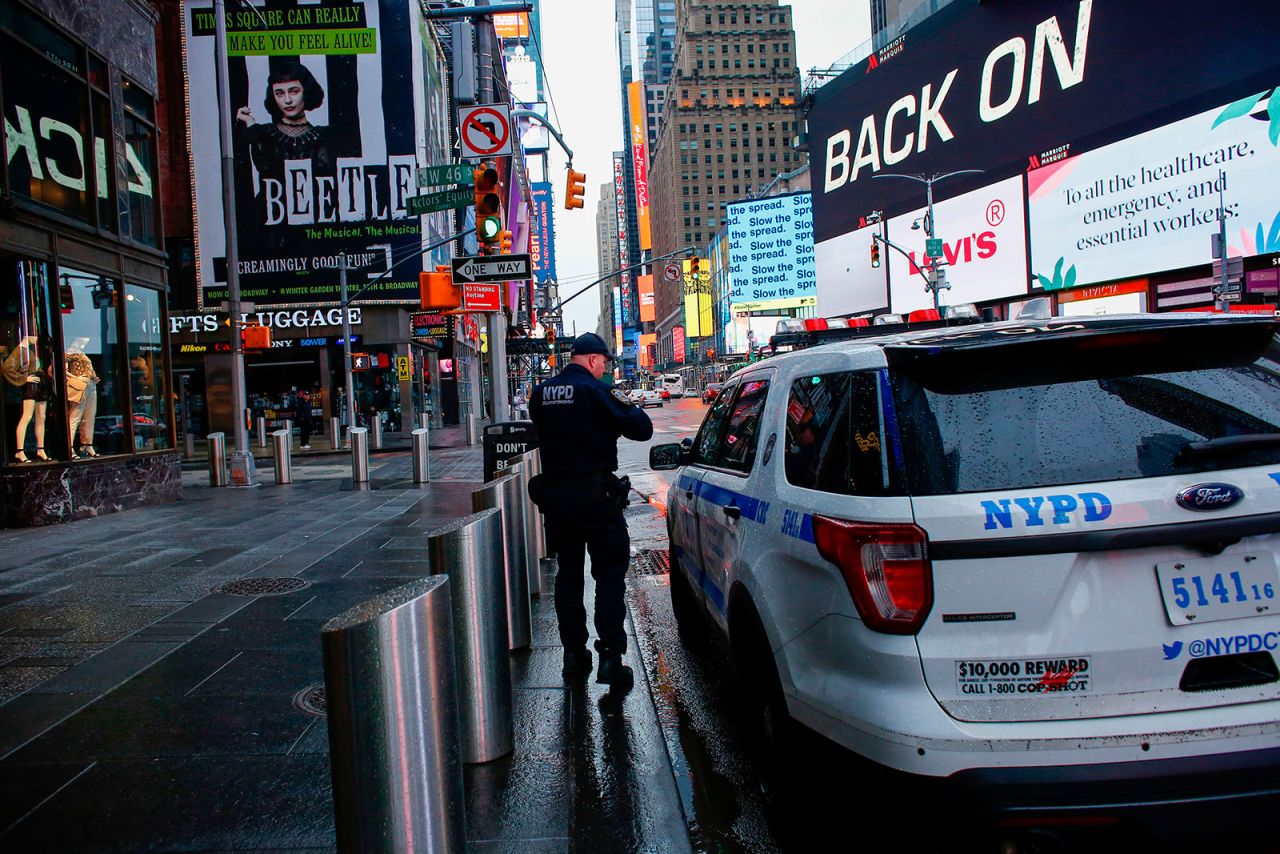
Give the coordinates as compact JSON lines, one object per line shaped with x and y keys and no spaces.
{"x":326,"y":121}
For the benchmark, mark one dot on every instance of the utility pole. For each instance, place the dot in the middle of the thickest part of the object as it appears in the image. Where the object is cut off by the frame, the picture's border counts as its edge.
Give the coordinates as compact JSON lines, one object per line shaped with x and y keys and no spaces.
{"x":497,"y":320}
{"x":1220,"y":253}
{"x":243,"y":469}
{"x":937,"y":273}
{"x":345,"y":302}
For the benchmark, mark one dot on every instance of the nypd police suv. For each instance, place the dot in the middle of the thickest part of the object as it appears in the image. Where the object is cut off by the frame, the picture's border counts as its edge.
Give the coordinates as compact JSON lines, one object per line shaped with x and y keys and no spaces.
{"x":1018,"y":554}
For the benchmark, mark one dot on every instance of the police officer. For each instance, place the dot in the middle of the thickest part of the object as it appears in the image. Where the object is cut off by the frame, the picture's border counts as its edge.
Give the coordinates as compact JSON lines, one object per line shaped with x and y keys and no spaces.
{"x":579,"y":420}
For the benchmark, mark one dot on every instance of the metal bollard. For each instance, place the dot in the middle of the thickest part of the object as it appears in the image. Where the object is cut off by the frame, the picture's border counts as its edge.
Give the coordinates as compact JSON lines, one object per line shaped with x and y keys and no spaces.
{"x":377,"y":429}
{"x":537,"y":532}
{"x":472,"y":426}
{"x":391,"y":690}
{"x":288,"y":428}
{"x":505,"y":493}
{"x":217,"y":459}
{"x":189,"y":443}
{"x":424,"y":420}
{"x":282,"y":453}
{"x":470,"y":552}
{"x":335,"y":433}
{"x":359,"y":454}
{"x":421,"y":461}
{"x":532,"y":522}
{"x":262,"y":432}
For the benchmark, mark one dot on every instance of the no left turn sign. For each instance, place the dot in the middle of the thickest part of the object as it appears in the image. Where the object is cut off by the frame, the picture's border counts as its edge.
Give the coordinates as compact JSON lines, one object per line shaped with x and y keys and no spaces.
{"x":671,"y":273}
{"x":486,"y":130}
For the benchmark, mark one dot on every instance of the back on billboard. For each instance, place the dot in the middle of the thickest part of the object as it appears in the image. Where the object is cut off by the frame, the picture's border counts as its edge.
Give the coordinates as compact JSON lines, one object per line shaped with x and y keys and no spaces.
{"x":1008,"y":85}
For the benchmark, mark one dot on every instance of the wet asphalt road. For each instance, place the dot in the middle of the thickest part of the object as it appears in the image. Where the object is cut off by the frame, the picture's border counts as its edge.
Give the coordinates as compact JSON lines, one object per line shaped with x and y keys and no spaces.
{"x":829,"y":801}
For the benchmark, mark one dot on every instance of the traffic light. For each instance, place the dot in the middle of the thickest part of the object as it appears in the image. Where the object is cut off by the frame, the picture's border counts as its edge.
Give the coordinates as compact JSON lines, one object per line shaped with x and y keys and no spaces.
{"x":875,"y":254}
{"x":551,"y":338}
{"x":504,"y":242}
{"x":694,"y":266}
{"x":711,"y":355}
{"x":488,"y":203}
{"x":574,"y":190}
{"x":436,"y":291}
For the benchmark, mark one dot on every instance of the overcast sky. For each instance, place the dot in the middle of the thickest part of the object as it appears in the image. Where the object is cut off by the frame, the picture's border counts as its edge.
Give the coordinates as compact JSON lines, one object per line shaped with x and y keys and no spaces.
{"x":580,"y":58}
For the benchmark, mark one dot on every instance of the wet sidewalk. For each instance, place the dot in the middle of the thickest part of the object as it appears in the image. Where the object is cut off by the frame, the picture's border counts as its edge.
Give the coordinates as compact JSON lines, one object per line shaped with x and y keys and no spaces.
{"x":144,"y":708}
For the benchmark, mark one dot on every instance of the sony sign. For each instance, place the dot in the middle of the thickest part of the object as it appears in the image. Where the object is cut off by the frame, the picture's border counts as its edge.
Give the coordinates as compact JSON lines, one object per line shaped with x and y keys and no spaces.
{"x":993,"y":86}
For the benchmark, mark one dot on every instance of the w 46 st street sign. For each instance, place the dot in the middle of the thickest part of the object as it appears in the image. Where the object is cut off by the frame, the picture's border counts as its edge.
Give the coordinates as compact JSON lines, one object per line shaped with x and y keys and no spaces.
{"x":490,"y":268}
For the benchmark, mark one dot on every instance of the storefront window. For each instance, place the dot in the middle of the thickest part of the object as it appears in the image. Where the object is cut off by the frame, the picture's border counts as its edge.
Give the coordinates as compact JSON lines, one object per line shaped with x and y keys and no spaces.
{"x":148,"y":382}
{"x":94,"y":387}
{"x":140,"y":150}
{"x":31,"y":411}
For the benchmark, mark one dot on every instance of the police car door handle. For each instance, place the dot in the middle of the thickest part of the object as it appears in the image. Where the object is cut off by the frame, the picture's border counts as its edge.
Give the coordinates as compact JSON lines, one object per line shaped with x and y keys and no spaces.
{"x":732,"y":511}
{"x":688,"y":494}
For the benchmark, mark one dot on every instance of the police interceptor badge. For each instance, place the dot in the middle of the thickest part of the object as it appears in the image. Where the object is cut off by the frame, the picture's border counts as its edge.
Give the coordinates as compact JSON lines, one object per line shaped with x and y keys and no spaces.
{"x":621,"y":396}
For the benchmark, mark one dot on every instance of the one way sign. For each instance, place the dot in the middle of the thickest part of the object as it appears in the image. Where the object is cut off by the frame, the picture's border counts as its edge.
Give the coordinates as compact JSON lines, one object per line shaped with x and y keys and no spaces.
{"x":490,"y":268}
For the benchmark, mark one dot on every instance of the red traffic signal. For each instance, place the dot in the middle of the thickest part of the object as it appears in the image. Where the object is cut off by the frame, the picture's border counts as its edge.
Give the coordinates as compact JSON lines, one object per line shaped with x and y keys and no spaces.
{"x":574,"y":190}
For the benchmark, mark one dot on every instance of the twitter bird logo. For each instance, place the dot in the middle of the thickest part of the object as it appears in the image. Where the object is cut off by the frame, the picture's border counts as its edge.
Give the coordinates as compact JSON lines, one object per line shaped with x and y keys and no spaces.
{"x":1172,"y":650}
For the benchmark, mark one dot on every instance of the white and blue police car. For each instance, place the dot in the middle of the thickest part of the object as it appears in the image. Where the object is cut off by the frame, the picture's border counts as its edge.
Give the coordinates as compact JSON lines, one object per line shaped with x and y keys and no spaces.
{"x":1015,"y":554}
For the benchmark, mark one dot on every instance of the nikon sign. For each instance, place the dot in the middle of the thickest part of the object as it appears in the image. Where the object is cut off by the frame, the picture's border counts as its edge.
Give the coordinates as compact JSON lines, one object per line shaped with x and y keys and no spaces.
{"x":1002,"y":86}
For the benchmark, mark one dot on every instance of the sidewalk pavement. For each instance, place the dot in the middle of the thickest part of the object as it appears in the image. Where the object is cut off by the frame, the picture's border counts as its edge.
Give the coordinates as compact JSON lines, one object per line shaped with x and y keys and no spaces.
{"x":140,"y":709}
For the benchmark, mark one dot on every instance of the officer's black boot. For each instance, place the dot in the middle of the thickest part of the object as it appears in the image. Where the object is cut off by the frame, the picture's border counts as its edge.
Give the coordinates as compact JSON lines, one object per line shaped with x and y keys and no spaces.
{"x":614,"y":673}
{"x":577,"y":663}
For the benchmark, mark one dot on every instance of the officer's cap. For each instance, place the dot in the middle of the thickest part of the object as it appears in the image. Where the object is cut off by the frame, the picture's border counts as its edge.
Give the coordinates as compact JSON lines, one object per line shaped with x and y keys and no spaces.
{"x":588,"y":343}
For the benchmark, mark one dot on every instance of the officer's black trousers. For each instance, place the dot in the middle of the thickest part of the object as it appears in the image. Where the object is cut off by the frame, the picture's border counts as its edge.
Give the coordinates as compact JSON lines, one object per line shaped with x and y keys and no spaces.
{"x":610,"y":547}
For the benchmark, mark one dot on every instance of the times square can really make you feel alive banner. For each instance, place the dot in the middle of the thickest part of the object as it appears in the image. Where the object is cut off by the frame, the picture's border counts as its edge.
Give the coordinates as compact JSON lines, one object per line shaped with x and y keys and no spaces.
{"x":323,"y":117}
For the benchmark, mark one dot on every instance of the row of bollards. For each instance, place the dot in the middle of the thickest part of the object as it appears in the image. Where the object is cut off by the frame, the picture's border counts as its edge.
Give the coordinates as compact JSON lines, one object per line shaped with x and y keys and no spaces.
{"x":418,"y":681}
{"x":282,"y":452}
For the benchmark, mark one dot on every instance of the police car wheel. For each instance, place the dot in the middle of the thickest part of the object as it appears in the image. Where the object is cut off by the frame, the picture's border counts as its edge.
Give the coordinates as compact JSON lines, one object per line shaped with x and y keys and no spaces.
{"x":763,"y":703}
{"x":684,"y":605}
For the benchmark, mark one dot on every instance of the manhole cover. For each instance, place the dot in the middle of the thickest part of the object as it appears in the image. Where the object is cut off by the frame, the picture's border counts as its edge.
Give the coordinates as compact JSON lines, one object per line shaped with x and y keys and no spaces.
{"x":313,"y":701}
{"x":651,"y":562}
{"x":262,"y":586}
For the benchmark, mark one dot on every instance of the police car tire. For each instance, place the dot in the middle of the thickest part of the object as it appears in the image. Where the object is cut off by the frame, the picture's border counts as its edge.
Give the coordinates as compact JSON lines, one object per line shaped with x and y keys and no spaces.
{"x":762,"y":699}
{"x":684,"y":605}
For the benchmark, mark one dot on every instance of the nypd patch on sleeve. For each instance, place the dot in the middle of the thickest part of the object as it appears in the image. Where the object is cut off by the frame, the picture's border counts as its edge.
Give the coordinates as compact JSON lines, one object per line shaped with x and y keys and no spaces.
{"x":621,"y":396}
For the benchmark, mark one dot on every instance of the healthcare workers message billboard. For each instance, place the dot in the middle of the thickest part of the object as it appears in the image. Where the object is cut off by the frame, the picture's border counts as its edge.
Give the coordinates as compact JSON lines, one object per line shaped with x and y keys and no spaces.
{"x":1150,"y":202}
{"x":771,"y":253}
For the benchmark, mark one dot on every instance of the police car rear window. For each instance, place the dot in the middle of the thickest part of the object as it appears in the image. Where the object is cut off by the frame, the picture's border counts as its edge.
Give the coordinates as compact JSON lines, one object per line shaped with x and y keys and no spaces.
{"x":1092,"y":408}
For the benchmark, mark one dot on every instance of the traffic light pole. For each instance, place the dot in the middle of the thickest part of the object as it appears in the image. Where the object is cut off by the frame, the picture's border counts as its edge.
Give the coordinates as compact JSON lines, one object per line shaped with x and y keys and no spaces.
{"x":938,"y":277}
{"x":679,"y":252}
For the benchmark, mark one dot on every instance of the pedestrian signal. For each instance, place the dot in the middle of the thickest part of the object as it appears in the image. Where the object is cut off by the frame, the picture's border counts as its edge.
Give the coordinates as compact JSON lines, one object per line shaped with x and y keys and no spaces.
{"x":436,"y":291}
{"x":504,"y":242}
{"x":256,"y":337}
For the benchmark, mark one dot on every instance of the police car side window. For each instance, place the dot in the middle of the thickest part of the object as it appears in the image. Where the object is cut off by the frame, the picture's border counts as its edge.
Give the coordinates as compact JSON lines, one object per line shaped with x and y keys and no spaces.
{"x":738,"y":451}
{"x":841,"y":435}
{"x":707,"y":443}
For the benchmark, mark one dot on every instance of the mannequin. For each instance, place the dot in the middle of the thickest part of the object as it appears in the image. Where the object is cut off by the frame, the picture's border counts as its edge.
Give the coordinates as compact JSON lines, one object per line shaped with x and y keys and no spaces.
{"x":28,"y":366}
{"x":82,"y":396}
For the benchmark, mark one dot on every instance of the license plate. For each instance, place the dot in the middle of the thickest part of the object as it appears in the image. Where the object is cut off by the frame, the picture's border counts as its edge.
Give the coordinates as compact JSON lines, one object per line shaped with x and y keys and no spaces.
{"x":1224,"y":587}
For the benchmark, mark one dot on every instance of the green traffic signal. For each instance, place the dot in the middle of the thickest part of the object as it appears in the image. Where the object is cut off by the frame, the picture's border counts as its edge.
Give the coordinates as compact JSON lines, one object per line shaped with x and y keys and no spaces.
{"x":490,"y":227}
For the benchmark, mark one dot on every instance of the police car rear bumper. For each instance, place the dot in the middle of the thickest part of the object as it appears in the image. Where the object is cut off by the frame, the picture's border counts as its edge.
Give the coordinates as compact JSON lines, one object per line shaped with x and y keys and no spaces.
{"x":1174,"y":799}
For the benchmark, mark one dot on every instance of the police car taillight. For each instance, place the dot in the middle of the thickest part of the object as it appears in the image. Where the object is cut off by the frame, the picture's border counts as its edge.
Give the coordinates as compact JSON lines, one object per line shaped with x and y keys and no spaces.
{"x":886,"y":568}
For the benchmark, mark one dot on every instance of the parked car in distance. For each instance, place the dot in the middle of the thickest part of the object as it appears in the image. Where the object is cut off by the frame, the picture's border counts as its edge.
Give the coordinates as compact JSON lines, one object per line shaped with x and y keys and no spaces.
{"x":646,"y":397}
{"x":711,"y":392}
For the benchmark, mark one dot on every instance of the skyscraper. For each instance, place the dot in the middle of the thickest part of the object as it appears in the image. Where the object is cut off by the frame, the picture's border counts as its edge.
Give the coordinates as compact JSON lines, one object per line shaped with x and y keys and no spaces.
{"x":730,"y":114}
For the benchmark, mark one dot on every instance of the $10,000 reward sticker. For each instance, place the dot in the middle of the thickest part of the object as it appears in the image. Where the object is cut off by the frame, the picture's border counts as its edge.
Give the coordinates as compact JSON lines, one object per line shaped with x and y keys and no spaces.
{"x":1023,"y":676}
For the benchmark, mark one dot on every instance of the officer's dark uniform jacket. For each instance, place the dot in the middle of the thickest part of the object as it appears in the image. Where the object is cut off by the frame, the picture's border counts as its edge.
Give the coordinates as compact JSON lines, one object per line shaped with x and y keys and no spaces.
{"x":579,"y":420}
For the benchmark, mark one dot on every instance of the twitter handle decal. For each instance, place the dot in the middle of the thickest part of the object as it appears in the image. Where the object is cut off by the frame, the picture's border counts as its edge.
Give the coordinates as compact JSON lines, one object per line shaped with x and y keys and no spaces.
{"x":1223,"y":645}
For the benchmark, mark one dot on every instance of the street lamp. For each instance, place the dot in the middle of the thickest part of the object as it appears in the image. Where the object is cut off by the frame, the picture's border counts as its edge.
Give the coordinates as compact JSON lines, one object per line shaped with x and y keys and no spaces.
{"x":937,"y":279}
